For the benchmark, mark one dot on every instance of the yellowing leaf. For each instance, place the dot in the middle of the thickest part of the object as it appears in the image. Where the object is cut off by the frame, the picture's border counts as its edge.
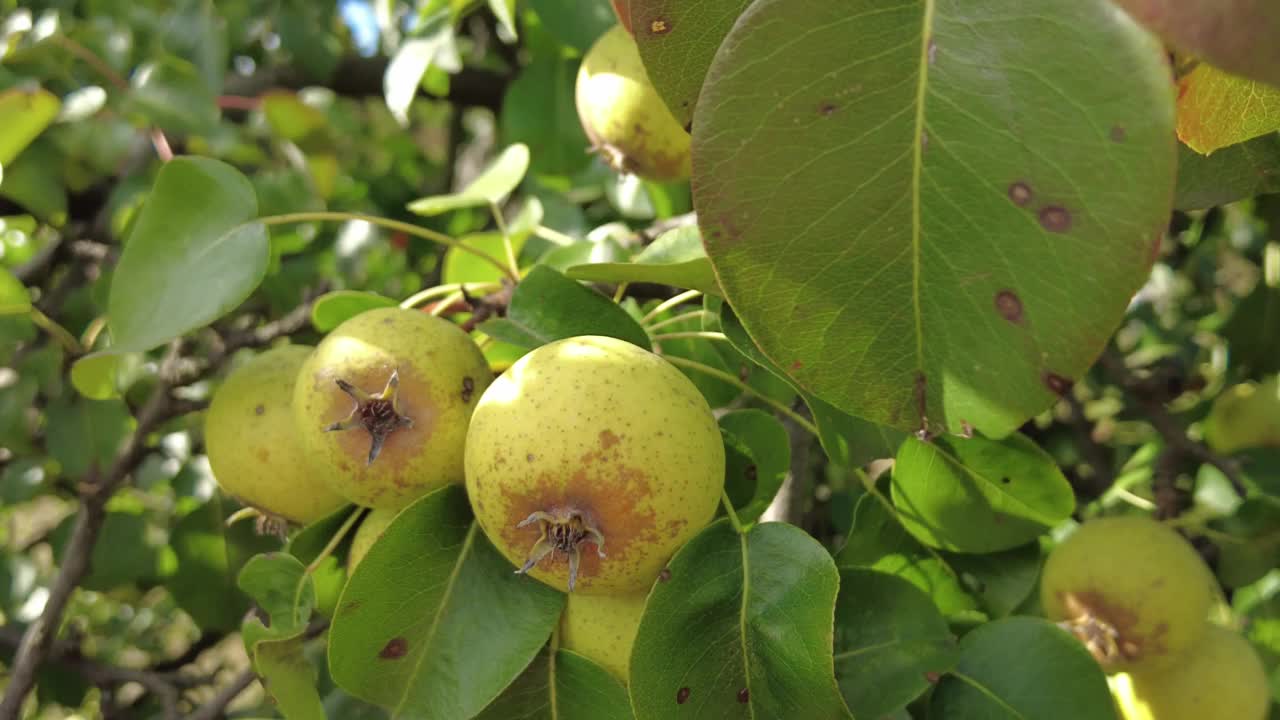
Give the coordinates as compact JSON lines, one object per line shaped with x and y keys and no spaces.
{"x":1217,"y":109}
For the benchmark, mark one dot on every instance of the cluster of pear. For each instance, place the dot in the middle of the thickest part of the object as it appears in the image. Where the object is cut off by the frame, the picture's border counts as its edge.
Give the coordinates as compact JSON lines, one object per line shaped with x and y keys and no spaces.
{"x":1139,"y":596}
{"x":587,"y":463}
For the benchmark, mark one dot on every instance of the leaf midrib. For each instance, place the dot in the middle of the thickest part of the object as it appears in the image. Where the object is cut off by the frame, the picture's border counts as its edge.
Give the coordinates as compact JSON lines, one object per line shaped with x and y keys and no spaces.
{"x":917,"y":168}
{"x":467,"y":543}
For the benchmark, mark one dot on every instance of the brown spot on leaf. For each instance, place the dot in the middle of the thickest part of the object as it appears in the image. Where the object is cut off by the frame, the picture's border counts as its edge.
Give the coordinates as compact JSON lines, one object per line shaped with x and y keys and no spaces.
{"x":665,"y":575}
{"x":1057,"y":384}
{"x":1118,"y":133}
{"x":682,"y":695}
{"x":1055,"y":218}
{"x":744,"y":696}
{"x":1005,"y":481}
{"x":607,"y":439}
{"x":659,"y":26}
{"x":1009,"y":305}
{"x":395,"y":649}
{"x":797,"y":365}
{"x":922,"y":398}
{"x":932,"y":677}
{"x":259,"y":409}
{"x":933,"y":50}
{"x":751,"y":473}
{"x":827,"y":108}
{"x":1020,"y":193}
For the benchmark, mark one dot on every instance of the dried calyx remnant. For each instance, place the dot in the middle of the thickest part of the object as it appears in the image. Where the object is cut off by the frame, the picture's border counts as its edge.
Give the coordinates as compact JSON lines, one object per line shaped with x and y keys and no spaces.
{"x":379,"y":415}
{"x":561,"y":531}
{"x":1103,"y":639}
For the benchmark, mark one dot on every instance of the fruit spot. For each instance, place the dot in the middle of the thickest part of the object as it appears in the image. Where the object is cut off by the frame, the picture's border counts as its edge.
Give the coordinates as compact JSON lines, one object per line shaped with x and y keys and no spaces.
{"x":1118,"y":133}
{"x":394,"y":649}
{"x":607,"y":439}
{"x":827,"y":108}
{"x":932,"y":677}
{"x":1057,"y":384}
{"x":259,"y":410}
{"x":1055,"y":219}
{"x":1020,"y":193}
{"x":529,"y":457}
{"x":682,"y":695}
{"x":744,"y":696}
{"x":1009,"y":305}
{"x":468,"y":389}
{"x":592,"y":494}
{"x":378,"y":415}
{"x":659,"y":27}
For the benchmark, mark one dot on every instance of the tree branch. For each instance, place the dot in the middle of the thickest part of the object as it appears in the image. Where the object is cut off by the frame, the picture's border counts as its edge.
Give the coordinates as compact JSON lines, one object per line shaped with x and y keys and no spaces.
{"x":1169,"y":427}
{"x":96,"y":490}
{"x":213,"y":709}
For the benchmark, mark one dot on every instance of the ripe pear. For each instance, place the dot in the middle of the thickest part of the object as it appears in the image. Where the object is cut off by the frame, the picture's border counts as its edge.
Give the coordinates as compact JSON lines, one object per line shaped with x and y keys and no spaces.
{"x":1133,"y":590}
{"x":622,"y":114}
{"x":1219,"y":678}
{"x":1245,"y":416}
{"x":367,"y":534}
{"x":255,"y":450}
{"x":603,"y":628}
{"x":383,"y":404}
{"x":590,"y":461}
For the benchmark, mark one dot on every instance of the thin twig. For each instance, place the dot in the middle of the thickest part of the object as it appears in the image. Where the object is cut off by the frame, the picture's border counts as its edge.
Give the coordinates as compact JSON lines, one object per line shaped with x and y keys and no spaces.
{"x":723,"y":376}
{"x":218,"y":704}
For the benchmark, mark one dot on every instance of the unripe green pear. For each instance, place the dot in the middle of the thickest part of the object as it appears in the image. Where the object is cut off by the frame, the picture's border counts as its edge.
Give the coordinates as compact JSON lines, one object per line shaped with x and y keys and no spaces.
{"x":383,"y":404}
{"x":255,"y":450}
{"x":603,"y":628}
{"x":622,"y":114}
{"x":367,"y":534}
{"x":1245,"y":416}
{"x":590,"y":461}
{"x":1218,"y":678}
{"x":1133,"y":590}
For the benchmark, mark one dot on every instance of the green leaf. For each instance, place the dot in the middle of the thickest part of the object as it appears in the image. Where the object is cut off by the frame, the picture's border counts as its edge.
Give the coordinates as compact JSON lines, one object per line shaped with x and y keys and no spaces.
{"x":677,"y":42}
{"x":546,"y":306}
{"x":504,"y":11}
{"x":1253,"y":328}
{"x":676,"y":258}
{"x":96,"y":377}
{"x":415,"y":56}
{"x":289,"y":117}
{"x":125,"y":553}
{"x":14,"y":298}
{"x":574,"y":22}
{"x":1022,"y":668}
{"x":571,"y":688}
{"x":1232,"y":173}
{"x":278,"y":583}
{"x":333,"y":308}
{"x":538,"y":108}
{"x":330,"y":575}
{"x":210,"y":555}
{"x":978,"y":495}
{"x":190,"y":258}
{"x":24,"y":114}
{"x":757,"y":458}
{"x":34,"y":181}
{"x":171,"y":94}
{"x":85,"y":434}
{"x":878,"y":542}
{"x":463,"y":267}
{"x":975,"y":231}
{"x":497,"y":181}
{"x":742,"y":628}
{"x":1217,"y":109}
{"x":889,"y":639}
{"x":1253,"y":549}
{"x":433,"y":622}
{"x":1001,"y":581}
{"x":289,"y":677}
{"x":847,"y":440}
